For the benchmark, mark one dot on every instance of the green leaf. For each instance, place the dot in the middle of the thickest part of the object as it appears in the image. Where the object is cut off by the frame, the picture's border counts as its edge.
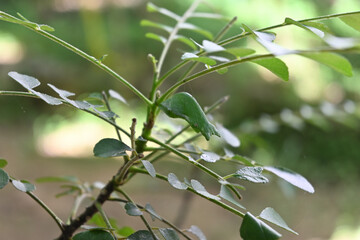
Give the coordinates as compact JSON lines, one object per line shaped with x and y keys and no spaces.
{"x":255,"y":229}
{"x":29,"y":83}
{"x":240,"y":52}
{"x":65,"y":94}
{"x":210,"y":157}
{"x":311,"y":29}
{"x":47,"y":28}
{"x":70,"y":179}
{"x":244,"y":160}
{"x":226,"y":194}
{"x":169,"y":234}
{"x":199,"y":188}
{"x":211,"y":47}
{"x":196,"y":29}
{"x":270,"y":215}
{"x":95,"y":234}
{"x":251,"y":174}
{"x":183,"y":105}
{"x":274,"y":65}
{"x":117,"y":96}
{"x":186,"y":41}
{"x":4,"y":178}
{"x":147,"y":23}
{"x":175,"y":182}
{"x":109,"y":147}
{"x":156,"y":37}
{"x":141,"y":235}
{"x":23,"y":185}
{"x":194,"y":57}
{"x":197,"y":232}
{"x":149,"y":168}
{"x":153,"y":8}
{"x":125,"y":231}
{"x":152,"y":212}
{"x":352,"y":20}
{"x":228,"y":136}
{"x":3,"y":163}
{"x":292,"y":177}
{"x":132,"y":210}
{"x":333,"y":60}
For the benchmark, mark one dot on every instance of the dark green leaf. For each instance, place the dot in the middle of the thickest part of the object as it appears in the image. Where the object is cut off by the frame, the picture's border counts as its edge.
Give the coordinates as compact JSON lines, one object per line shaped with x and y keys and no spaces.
{"x":199,"y":188}
{"x":333,"y":60}
{"x":156,"y":37}
{"x":152,"y":212}
{"x":228,"y":136}
{"x":174,"y":181}
{"x":255,"y":229}
{"x":226,"y":194}
{"x":251,"y":174}
{"x":23,"y":185}
{"x":197,"y":232}
{"x":125,"y":231}
{"x":275,"y":65}
{"x":109,"y":147}
{"x":209,"y":157}
{"x":95,"y":234}
{"x":352,"y":20}
{"x":141,"y":235}
{"x":117,"y":96}
{"x":3,"y":163}
{"x":312,"y":29}
{"x":4,"y":178}
{"x":194,"y":57}
{"x":269,"y":214}
{"x":132,"y":210}
{"x":70,"y":179}
{"x":169,"y":234}
{"x":149,"y":168}
{"x":240,"y":52}
{"x":292,"y":177}
{"x":183,"y":105}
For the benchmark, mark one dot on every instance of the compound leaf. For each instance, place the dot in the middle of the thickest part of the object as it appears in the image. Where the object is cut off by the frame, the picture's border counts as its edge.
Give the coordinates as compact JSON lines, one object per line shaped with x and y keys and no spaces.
{"x":274,"y":65}
{"x":4,"y":178}
{"x":292,"y":177}
{"x":110,"y":147}
{"x":253,"y":228}
{"x":96,"y":234}
{"x":270,"y":215}
{"x":251,"y":174}
{"x":183,"y":105}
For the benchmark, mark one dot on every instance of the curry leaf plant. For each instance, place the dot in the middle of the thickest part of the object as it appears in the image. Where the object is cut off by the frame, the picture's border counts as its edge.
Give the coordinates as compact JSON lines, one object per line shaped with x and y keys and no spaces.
{"x":213,"y":54}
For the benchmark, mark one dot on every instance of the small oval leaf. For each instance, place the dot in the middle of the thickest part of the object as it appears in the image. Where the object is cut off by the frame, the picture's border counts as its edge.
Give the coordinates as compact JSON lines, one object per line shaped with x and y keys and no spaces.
{"x":109,"y":147}
{"x":169,"y":234}
{"x":197,"y":232}
{"x":152,"y":212}
{"x":23,"y":185}
{"x":255,"y":229}
{"x":4,"y":178}
{"x":149,"y":167}
{"x":117,"y":96}
{"x":132,"y":210}
{"x":175,"y":182}
{"x":292,"y":177}
{"x":228,"y":136}
{"x":183,"y":105}
{"x":212,"y":47}
{"x":3,"y":163}
{"x":95,"y":234}
{"x":141,"y":235}
{"x":251,"y":174}
{"x":270,"y":215}
{"x":274,"y":65}
{"x":210,"y":157}
{"x":226,"y":194}
{"x":199,"y":188}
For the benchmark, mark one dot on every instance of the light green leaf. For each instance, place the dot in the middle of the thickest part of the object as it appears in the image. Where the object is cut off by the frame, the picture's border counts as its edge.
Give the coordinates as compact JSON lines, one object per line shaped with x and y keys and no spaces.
{"x":197,"y":232}
{"x":169,"y":234}
{"x":109,"y":147}
{"x":228,"y":136}
{"x":194,"y":57}
{"x":321,"y":26}
{"x":244,"y":160}
{"x":196,"y":29}
{"x":147,"y":23}
{"x":23,"y":185}
{"x":175,"y":182}
{"x":153,"y":8}
{"x":352,"y":20}
{"x":186,"y":41}
{"x":132,"y":210}
{"x":274,"y":65}
{"x":4,"y":178}
{"x":47,"y":28}
{"x":199,"y":188}
{"x":292,"y":177}
{"x":70,"y":179}
{"x":125,"y":231}
{"x":212,"y":47}
{"x":3,"y":163}
{"x":251,"y":174}
{"x":210,"y":157}
{"x":95,"y":234}
{"x":183,"y":105}
{"x":117,"y":96}
{"x":270,"y":215}
{"x":156,"y":37}
{"x":311,"y":29}
{"x":141,"y":235}
{"x":333,"y":60}
{"x":255,"y":229}
{"x":149,"y":168}
{"x":240,"y":52}
{"x":226,"y":194}
{"x":152,"y":212}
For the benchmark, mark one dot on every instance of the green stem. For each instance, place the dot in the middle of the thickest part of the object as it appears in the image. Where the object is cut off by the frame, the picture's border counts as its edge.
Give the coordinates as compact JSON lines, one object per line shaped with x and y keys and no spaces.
{"x":79,"y":52}
{"x":106,"y":219}
{"x":48,"y":210}
{"x":225,"y":29}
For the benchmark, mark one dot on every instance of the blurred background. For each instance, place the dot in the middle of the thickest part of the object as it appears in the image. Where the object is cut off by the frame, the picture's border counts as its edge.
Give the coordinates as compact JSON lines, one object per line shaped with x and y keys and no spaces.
{"x":310,"y":124}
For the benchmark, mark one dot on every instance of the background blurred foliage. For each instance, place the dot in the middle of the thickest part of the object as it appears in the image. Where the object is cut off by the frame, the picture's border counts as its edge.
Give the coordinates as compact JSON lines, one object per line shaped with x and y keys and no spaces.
{"x":113,"y":27}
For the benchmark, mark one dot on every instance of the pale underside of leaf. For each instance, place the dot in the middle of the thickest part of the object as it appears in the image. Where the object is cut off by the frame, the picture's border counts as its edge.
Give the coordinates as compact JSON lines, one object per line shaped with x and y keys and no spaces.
{"x":270,"y":215}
